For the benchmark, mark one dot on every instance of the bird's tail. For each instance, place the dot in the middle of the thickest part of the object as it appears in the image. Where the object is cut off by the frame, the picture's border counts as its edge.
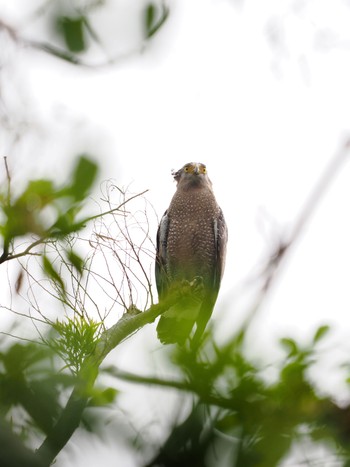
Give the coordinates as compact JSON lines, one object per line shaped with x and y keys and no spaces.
{"x":176,"y":324}
{"x":203,"y":316}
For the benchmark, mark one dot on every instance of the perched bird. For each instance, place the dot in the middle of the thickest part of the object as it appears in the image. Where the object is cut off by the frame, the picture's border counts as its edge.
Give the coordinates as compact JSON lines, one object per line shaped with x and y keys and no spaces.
{"x":191,"y":249}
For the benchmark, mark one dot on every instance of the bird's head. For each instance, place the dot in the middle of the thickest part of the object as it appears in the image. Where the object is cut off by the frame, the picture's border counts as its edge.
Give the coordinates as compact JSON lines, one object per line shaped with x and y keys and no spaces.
{"x":193,"y":173}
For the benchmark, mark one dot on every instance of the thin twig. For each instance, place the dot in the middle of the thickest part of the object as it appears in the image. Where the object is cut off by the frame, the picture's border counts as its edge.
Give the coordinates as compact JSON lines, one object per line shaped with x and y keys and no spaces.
{"x":97,"y":216}
{"x":320,"y":189}
{"x":26,"y":251}
{"x":8,"y":176}
{"x":270,"y":270}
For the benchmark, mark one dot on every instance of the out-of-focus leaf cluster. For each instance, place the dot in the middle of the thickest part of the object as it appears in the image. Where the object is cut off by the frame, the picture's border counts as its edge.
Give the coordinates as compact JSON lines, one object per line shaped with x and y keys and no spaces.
{"x":241,"y":416}
{"x":75,"y":33}
{"x":46,"y":212}
{"x":28,"y":380}
{"x":32,"y":379}
{"x":75,"y":28}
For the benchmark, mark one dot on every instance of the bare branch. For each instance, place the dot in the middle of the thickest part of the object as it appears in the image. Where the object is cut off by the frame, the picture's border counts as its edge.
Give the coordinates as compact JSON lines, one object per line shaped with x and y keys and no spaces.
{"x":309,"y":208}
{"x":320,"y":189}
{"x":269,"y":273}
{"x":25,"y":252}
{"x":118,"y":208}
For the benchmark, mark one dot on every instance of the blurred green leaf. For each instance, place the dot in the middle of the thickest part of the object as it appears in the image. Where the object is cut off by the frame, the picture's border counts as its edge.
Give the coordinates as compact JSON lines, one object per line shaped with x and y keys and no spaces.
{"x":150,"y":13}
{"x":83,"y":177}
{"x":103,"y":397}
{"x":154,"y":19}
{"x":320,"y":333}
{"x":76,"y":260}
{"x":23,"y":215}
{"x":290,"y":345}
{"x":227,"y":422}
{"x":38,"y":193}
{"x":72,"y":30}
{"x":66,"y":223}
{"x":20,"y":221}
{"x":27,"y":380}
{"x":53,"y":274}
{"x":20,"y":357}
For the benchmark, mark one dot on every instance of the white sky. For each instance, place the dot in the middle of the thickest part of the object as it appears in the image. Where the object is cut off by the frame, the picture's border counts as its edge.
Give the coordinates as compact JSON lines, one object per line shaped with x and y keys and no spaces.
{"x":265,"y":117}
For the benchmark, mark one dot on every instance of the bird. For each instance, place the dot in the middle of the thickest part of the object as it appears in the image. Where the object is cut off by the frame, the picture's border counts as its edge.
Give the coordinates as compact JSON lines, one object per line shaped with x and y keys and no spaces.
{"x":191,"y":250}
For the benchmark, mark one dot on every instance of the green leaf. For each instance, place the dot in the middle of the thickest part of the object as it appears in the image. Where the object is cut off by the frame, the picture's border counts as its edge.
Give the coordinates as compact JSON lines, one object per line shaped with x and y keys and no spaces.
{"x":103,"y":397}
{"x":21,"y":221}
{"x":72,"y":30}
{"x":52,"y":273}
{"x":227,"y":423}
{"x":320,"y":333}
{"x":290,"y":345}
{"x":150,"y":13}
{"x":83,"y":178}
{"x":19,"y":357}
{"x":41,"y":186}
{"x":152,"y":20}
{"x":37,"y":195}
{"x":66,"y":223}
{"x":76,"y":260}
{"x":23,"y":216}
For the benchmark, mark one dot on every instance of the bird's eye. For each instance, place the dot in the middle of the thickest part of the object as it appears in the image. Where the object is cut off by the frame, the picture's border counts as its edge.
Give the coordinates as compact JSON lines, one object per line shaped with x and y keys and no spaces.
{"x":204,"y":170}
{"x":186,"y":168}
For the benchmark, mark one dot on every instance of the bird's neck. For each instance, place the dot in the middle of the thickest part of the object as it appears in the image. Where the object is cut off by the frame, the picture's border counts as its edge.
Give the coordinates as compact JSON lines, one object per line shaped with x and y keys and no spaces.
{"x":193,"y":184}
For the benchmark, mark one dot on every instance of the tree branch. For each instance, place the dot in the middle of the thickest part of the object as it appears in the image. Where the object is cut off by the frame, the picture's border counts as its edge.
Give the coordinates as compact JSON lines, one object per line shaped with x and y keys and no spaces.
{"x":320,"y":188}
{"x":72,"y":413}
{"x":25,"y":252}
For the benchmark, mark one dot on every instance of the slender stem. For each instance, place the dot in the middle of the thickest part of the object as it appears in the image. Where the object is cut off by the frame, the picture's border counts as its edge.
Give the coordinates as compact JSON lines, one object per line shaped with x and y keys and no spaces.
{"x":8,"y":175}
{"x":320,"y":189}
{"x":25,"y":252}
{"x":96,"y":216}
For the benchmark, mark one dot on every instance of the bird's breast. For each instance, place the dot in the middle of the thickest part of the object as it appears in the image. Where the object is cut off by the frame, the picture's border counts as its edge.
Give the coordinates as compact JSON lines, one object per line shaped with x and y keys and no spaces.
{"x":191,"y":248}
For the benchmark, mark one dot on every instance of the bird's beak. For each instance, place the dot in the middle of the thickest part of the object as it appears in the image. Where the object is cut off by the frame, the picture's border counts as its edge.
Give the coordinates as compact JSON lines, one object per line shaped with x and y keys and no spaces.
{"x":196,"y":169}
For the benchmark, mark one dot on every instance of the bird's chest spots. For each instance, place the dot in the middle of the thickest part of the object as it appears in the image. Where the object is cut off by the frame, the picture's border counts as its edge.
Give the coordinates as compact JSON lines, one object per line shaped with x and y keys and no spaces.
{"x":191,"y":239}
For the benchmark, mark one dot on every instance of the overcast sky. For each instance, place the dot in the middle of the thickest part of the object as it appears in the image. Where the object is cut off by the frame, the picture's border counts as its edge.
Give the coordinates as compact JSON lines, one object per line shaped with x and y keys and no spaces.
{"x":259,"y":92}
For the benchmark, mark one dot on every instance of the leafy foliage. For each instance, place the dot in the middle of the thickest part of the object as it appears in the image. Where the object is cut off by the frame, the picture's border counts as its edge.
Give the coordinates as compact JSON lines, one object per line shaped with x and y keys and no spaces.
{"x":28,"y":381}
{"x":76,"y":340}
{"x":47,"y":211}
{"x":241,"y":415}
{"x":72,"y":30}
{"x":238,"y":412}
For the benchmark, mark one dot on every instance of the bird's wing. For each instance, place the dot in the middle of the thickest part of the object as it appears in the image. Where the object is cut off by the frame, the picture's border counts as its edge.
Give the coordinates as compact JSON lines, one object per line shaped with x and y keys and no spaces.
{"x":161,"y":256}
{"x":221,"y":234}
{"x":175,"y":324}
